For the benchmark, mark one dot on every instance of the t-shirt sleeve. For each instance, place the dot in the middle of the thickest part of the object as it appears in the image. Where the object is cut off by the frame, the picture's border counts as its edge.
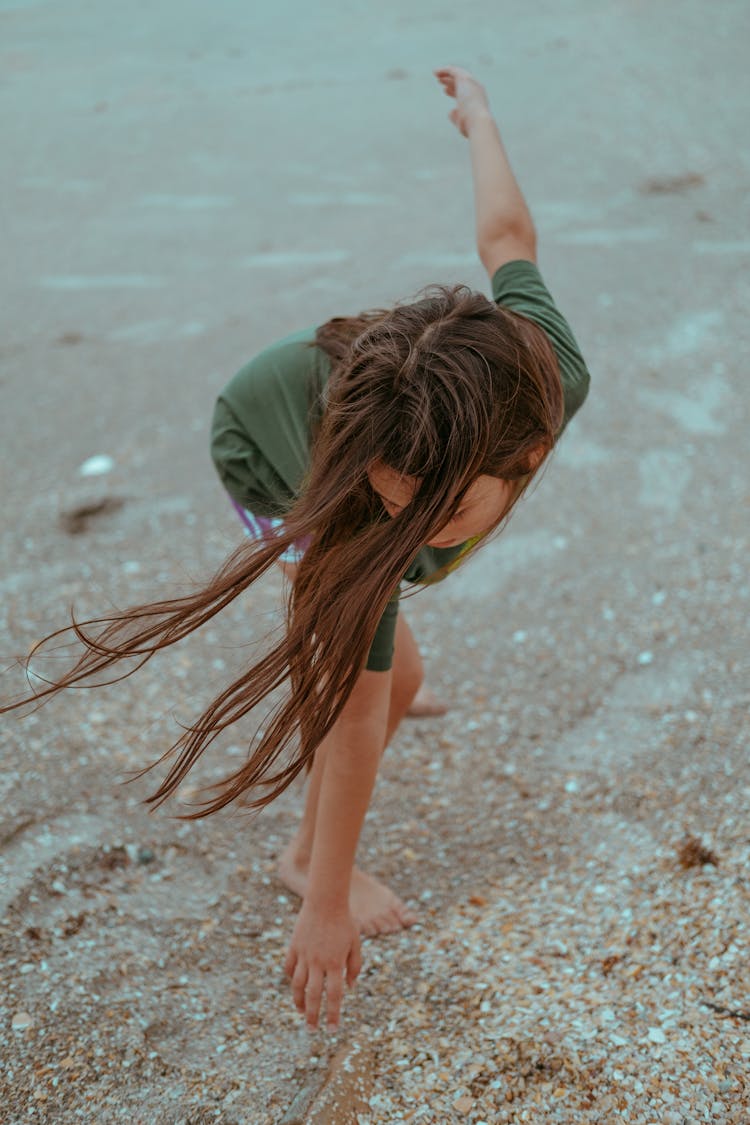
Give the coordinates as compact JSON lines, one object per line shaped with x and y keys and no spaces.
{"x":519,"y":286}
{"x":380,"y":658}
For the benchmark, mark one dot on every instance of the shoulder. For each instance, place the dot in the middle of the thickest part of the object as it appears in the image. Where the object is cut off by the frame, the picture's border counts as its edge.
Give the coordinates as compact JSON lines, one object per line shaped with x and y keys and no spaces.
{"x":519,"y":282}
{"x":290,"y":360}
{"x":292,"y":350}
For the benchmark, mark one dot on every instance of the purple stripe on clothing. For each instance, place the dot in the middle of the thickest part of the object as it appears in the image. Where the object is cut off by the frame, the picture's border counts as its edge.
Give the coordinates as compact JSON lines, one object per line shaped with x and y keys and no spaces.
{"x":265,"y":527}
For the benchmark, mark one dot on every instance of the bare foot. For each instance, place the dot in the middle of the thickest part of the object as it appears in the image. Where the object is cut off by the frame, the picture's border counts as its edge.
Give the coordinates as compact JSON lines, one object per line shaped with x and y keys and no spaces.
{"x":374,"y":907}
{"x":425,"y":704}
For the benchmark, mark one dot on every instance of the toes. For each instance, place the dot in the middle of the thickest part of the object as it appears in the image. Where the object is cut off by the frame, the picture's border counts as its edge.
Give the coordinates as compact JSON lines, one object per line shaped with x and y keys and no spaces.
{"x":389,"y":922}
{"x":404,"y":913}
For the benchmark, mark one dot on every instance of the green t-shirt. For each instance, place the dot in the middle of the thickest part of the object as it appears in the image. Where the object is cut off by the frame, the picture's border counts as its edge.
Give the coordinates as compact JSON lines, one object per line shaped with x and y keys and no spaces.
{"x":264,"y":417}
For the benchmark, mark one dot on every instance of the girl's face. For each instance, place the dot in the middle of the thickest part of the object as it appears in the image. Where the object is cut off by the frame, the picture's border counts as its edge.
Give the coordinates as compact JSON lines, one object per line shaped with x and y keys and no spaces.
{"x":482,"y":506}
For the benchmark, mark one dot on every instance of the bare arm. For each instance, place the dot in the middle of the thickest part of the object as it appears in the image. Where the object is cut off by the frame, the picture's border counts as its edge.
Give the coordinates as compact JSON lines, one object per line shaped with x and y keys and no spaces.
{"x":325,"y":944}
{"x":504,"y":227}
{"x":352,"y":756}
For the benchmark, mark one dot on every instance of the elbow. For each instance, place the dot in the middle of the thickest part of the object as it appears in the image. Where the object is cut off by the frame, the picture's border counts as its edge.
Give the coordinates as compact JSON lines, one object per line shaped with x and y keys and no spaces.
{"x":514,"y":223}
{"x":514,"y":241}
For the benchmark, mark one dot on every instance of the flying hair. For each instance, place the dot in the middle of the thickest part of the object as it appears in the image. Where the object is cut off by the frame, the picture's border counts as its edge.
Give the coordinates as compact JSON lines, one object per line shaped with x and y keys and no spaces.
{"x":445,"y":388}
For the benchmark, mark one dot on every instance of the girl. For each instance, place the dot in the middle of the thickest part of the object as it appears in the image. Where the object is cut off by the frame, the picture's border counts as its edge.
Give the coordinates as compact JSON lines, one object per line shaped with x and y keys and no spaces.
{"x":378,"y":448}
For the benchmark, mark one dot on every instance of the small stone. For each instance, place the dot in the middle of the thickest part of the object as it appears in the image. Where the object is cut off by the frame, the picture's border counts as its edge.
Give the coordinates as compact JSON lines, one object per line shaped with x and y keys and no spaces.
{"x":464,"y":1104}
{"x":656,"y":1035}
{"x":96,"y":466}
{"x":645,"y":657}
{"x":22,"y":1020}
{"x":27,"y":968}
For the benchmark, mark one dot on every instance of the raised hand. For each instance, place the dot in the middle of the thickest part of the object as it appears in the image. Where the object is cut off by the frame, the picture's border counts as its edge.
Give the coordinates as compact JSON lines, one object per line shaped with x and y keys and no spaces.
{"x":470,"y":95}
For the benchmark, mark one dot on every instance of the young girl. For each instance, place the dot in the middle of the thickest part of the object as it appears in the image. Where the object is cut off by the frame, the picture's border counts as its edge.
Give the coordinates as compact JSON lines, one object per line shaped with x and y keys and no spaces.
{"x":377,"y":449}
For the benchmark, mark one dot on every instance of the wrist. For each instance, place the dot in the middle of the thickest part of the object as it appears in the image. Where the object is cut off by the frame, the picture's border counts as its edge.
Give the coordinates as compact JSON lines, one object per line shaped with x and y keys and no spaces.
{"x":479,"y":117}
{"x":329,"y":878}
{"x":326,"y":900}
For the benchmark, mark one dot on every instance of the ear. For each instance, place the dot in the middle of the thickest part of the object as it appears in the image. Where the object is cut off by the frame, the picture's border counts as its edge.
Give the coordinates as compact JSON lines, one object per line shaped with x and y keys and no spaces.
{"x":537,"y":455}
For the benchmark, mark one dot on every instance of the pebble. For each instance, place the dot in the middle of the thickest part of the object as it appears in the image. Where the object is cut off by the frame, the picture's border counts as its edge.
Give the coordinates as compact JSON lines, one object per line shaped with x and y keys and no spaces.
{"x":22,"y":1020}
{"x":96,"y":466}
{"x":656,"y":1035}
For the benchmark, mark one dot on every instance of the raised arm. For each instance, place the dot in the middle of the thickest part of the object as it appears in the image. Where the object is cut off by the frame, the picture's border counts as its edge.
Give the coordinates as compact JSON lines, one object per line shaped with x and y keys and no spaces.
{"x":504,"y":227}
{"x":325,"y":944}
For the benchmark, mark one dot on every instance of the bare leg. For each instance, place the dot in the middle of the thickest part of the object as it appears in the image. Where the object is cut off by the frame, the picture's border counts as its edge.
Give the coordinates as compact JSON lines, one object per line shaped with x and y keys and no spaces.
{"x":377,"y":909}
{"x":426,"y":704}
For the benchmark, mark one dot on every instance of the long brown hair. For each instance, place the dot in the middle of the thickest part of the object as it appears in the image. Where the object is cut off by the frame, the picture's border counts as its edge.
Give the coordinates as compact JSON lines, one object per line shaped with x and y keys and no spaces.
{"x":444,"y":389}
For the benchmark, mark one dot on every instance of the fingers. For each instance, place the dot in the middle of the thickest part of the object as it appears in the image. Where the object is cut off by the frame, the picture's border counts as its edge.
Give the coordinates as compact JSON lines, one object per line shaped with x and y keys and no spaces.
{"x":313,"y":995}
{"x":447,"y":81}
{"x":449,"y":76}
{"x":312,"y":974}
{"x":334,"y":990}
{"x":299,"y":981}
{"x":307,"y":992}
{"x":290,"y":962}
{"x":353,"y":964}
{"x":307,"y":989}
